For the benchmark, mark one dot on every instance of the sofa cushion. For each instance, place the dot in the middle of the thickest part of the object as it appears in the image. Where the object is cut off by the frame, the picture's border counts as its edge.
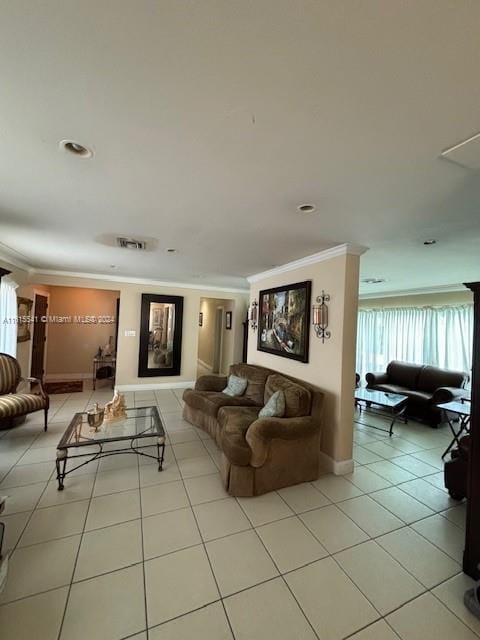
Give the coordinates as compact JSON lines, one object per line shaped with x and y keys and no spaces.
{"x":234,"y":423}
{"x":433,"y":377}
{"x":403,"y":374}
{"x":256,"y":377}
{"x":419,"y":397}
{"x":297,"y":398}
{"x":275,"y":407}
{"x":211,"y":401}
{"x":390,"y":388}
{"x":236,"y":386}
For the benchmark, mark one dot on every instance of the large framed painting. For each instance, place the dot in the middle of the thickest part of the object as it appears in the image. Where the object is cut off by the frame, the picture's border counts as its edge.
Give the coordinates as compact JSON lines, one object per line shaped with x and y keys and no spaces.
{"x":284,"y":320}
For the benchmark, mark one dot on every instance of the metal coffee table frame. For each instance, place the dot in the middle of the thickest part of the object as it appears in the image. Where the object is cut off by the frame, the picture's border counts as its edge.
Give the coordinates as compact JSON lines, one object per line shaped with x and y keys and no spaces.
{"x":65,"y":444}
{"x":463,"y":412}
{"x":397,"y":409}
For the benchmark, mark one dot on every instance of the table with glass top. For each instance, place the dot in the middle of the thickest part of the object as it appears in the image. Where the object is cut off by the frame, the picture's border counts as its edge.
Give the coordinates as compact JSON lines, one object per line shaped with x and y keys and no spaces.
{"x":135,"y":434}
{"x":391,"y":404}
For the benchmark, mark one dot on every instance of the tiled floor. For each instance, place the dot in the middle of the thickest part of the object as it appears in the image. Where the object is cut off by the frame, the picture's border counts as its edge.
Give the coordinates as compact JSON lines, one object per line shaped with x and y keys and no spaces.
{"x":128,"y":552}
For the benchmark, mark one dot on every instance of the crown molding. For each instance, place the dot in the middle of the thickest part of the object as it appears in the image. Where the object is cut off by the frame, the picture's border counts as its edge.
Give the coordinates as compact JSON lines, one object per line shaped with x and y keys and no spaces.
{"x":321,"y":256}
{"x":14,"y":258}
{"x":444,"y":288}
{"x":132,"y":280}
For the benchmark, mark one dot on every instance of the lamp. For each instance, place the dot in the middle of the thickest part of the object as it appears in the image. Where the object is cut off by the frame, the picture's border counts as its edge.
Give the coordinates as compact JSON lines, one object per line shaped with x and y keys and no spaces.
{"x":320,"y":316}
{"x":253,"y":315}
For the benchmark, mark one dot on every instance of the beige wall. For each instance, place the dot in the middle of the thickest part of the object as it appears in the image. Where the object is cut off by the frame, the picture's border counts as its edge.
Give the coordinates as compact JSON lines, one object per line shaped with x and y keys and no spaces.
{"x":331,"y":364}
{"x":130,"y":301}
{"x":206,"y":333}
{"x":71,"y":347}
{"x":418,"y":300}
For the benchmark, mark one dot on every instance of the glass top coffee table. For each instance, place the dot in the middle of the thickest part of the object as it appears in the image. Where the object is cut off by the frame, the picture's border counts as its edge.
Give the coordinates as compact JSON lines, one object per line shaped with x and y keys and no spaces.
{"x":81,"y":444}
{"x":392,"y":405}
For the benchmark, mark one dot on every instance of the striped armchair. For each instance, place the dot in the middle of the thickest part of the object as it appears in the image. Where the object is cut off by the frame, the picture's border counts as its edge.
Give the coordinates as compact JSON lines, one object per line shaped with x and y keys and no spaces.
{"x":13,"y":404}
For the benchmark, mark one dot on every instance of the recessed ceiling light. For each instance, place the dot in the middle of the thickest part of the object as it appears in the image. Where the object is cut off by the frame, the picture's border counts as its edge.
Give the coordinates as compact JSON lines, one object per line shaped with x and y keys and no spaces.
{"x":306,"y":208}
{"x":76,"y":149}
{"x":373,"y":280}
{"x":429,"y":242}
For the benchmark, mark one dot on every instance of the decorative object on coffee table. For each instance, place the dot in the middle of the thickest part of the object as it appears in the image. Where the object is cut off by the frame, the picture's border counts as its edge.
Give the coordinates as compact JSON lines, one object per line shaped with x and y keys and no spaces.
{"x":95,"y":417}
{"x":116,"y":408}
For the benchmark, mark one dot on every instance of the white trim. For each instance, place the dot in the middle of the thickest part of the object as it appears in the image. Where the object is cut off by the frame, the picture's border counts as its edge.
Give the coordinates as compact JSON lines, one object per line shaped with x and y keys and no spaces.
{"x":61,"y":377}
{"x":442,"y":288}
{"x":155,"y":385}
{"x":132,"y":280}
{"x":10,"y":256}
{"x":337,"y":467}
{"x":326,"y":254}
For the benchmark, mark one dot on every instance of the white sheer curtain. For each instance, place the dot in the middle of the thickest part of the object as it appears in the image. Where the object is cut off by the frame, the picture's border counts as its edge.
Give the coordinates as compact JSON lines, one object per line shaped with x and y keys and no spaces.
{"x":8,"y":316}
{"x":441,"y":336}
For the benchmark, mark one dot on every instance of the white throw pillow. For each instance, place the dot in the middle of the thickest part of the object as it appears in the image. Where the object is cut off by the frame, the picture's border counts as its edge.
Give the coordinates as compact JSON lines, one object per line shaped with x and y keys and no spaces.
{"x":275,"y":407}
{"x":236,"y":386}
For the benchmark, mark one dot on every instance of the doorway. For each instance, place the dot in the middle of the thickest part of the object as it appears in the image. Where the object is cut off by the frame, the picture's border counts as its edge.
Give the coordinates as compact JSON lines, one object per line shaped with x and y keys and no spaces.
{"x":215,"y":336}
{"x":39,"y":340}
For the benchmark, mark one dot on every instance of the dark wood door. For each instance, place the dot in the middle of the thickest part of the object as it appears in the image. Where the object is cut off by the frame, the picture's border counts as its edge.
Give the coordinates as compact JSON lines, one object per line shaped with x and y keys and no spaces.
{"x":39,"y":337}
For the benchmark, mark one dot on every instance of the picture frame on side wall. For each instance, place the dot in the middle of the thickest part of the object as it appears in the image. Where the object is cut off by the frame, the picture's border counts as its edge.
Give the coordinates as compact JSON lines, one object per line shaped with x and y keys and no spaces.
{"x":284,"y":320}
{"x":24,"y":306}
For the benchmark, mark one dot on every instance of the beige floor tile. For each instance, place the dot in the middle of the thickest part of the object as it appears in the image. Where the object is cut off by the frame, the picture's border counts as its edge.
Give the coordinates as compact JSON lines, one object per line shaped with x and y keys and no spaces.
{"x":451,"y":594}
{"x":336,"y":488}
{"x":370,"y":516}
{"x":118,"y":461}
{"x":404,"y":445}
{"x":267,"y":611}
{"x":113,"y":509}
{"x":425,"y":561}
{"x":220,"y":518}
{"x":163,"y":497}
{"x":115,"y":481}
{"x":178,"y":583}
{"x":209,"y":623}
{"x":184,"y":435}
{"x":171,"y":531}
{"x":390,"y":472}
{"x":205,"y":488}
{"x":240,"y":561}
{"x":149,"y":473}
{"x":55,"y":522}
{"x":330,"y":600}
{"x":14,"y":526}
{"x":191,"y":467}
{"x":444,"y":534}
{"x":379,"y":577}
{"x":43,"y":454}
{"x":333,"y":528}
{"x":367,"y":480}
{"x":364,"y":456}
{"x":362,"y":437}
{"x":415,"y":466}
{"x":40,"y":567}
{"x":457,"y":515}
{"x":437,"y":480}
{"x":37,"y":617}
{"x":109,"y":549}
{"x":27,"y":474}
{"x":303,"y":497}
{"x":434,"y":498}
{"x":377,"y":631}
{"x":22,"y":498}
{"x":433,"y":457}
{"x":265,"y":508}
{"x":290,"y":543}
{"x":427,"y":619}
{"x":186,"y":450}
{"x":76,"y":488}
{"x":401,"y":504}
{"x":106,"y":607}
{"x":384,"y":450}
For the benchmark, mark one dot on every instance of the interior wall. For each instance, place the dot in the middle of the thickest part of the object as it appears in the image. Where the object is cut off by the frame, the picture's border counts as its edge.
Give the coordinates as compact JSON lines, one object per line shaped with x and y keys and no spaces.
{"x":72,"y":346}
{"x":206,"y":333}
{"x":418,"y":300}
{"x":129,"y":320}
{"x":331,"y":365}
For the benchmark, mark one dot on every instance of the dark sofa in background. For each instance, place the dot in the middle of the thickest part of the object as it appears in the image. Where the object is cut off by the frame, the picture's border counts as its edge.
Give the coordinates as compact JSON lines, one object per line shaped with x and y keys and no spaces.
{"x":425,"y":386}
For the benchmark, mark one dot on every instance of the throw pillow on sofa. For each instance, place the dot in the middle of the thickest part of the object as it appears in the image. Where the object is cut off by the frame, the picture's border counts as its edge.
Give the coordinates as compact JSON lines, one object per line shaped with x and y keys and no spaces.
{"x":236,"y":386}
{"x":275,"y":407}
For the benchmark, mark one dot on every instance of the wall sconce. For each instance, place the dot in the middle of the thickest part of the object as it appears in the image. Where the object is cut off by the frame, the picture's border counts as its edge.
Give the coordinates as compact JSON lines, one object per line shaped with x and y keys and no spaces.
{"x":253,"y":315}
{"x":320,"y":317}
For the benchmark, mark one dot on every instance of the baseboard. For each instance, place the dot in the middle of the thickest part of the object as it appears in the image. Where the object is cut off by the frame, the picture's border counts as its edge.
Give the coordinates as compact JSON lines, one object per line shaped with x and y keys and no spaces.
{"x":155,"y":385}
{"x":337,"y":467}
{"x":61,"y":377}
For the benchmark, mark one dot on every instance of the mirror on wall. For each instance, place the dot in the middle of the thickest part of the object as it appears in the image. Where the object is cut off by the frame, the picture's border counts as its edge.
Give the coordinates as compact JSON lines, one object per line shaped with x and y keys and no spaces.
{"x":160,"y":335}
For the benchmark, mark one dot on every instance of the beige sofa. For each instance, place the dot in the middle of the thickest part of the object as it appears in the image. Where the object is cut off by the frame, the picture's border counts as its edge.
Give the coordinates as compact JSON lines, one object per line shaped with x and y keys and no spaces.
{"x":259,"y":454}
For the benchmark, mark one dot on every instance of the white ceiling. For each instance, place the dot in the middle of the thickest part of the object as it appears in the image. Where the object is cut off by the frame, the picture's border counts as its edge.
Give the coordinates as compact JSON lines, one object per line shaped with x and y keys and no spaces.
{"x":212,"y":120}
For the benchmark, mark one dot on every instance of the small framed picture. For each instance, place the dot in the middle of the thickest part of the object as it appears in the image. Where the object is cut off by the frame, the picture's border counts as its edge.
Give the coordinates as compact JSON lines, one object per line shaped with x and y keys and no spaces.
{"x":228,"y":320}
{"x":200,"y":319}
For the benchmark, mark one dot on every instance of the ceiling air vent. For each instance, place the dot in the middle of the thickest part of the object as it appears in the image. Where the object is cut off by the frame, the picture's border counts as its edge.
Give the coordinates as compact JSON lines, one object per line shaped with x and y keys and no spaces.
{"x":131,"y":243}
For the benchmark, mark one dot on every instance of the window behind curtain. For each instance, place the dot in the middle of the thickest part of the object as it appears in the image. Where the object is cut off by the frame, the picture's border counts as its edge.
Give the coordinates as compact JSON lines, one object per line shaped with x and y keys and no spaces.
{"x":440,"y":336}
{"x":8,"y":315}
